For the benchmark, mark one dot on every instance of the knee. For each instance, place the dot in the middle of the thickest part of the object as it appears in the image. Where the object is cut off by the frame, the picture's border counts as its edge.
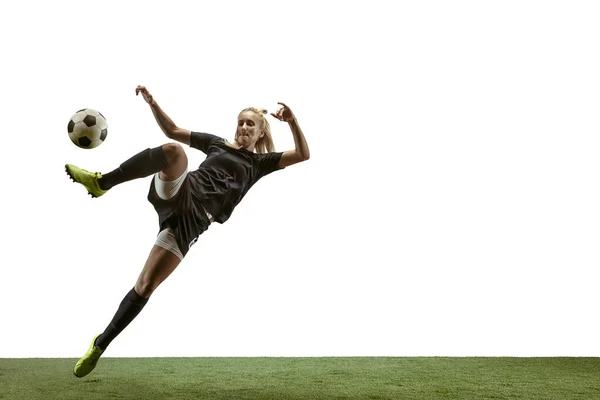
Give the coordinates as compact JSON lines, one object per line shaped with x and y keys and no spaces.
{"x":173,"y":151}
{"x":144,"y":288}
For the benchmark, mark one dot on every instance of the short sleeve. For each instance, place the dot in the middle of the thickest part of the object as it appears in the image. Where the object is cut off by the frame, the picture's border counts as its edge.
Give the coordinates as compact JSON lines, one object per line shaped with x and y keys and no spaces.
{"x":267,"y":163}
{"x":202,"y":141}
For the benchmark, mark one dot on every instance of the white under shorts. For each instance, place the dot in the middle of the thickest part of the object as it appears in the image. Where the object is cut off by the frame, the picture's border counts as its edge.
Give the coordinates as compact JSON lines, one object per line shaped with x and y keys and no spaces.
{"x":167,"y":190}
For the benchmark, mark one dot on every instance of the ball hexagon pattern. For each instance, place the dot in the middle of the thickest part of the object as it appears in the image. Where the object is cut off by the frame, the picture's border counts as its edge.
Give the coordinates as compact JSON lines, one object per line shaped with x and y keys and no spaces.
{"x":87,"y":128}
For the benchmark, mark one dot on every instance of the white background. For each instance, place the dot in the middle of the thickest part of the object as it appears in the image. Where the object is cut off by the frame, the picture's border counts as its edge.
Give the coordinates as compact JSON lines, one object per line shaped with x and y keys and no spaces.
{"x":450,"y":205}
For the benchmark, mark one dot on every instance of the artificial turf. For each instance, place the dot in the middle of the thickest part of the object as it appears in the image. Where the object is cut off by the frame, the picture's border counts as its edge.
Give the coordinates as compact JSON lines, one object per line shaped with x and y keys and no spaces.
{"x":304,"y":378}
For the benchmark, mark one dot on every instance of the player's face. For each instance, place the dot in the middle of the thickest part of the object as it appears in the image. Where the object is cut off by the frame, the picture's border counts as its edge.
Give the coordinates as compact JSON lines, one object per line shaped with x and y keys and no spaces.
{"x":248,"y":129}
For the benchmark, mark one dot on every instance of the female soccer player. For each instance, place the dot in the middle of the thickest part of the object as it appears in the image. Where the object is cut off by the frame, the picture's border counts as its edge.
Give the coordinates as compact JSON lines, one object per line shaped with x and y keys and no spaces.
{"x":187,"y":202}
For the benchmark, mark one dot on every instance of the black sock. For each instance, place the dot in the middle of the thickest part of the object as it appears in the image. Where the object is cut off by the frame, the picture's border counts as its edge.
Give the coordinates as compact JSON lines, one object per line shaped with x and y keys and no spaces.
{"x":129,"y":308}
{"x":146,"y":162}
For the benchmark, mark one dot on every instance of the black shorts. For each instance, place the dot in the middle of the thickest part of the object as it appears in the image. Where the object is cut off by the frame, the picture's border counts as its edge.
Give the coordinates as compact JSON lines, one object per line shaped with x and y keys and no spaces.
{"x":183,"y":213}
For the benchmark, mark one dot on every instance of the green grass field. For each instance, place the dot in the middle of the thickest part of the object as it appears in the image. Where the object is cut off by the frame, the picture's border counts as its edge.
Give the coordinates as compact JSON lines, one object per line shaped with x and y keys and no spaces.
{"x":304,"y":378}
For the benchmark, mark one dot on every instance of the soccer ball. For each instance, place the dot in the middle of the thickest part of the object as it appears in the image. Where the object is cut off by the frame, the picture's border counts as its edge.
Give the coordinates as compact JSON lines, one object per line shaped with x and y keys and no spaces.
{"x":87,"y":128}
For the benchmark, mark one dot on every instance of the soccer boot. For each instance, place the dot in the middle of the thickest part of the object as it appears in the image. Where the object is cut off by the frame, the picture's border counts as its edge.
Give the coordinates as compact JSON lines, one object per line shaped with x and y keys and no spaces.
{"x":87,"y":363}
{"x":88,"y":179}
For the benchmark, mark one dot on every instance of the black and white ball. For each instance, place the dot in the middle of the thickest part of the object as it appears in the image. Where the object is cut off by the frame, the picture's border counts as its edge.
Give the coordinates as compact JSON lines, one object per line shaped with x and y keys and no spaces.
{"x":87,"y":128}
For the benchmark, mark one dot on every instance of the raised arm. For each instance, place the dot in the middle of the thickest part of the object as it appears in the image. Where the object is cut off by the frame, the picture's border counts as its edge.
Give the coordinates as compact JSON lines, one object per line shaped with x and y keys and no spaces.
{"x":301,"y":152}
{"x":167,"y":125}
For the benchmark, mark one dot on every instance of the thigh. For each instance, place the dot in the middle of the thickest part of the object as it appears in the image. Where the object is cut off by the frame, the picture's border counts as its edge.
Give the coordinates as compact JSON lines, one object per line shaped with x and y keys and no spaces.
{"x":159,"y":265}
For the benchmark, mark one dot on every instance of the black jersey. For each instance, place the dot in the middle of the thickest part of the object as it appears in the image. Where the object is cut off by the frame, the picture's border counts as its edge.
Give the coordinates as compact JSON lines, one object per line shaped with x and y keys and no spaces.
{"x":217,"y":186}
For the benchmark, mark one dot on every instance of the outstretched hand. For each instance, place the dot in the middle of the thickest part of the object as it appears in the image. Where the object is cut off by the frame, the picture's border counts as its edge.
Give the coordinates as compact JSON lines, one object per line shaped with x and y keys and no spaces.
{"x":145,"y":94}
{"x":284,"y":113}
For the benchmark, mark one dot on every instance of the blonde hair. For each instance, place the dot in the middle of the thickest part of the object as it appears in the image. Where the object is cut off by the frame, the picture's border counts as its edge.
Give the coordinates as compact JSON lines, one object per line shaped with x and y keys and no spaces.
{"x":265,"y":143}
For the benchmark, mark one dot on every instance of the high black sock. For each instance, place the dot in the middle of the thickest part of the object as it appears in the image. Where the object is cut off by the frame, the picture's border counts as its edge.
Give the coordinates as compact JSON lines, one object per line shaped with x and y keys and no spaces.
{"x":129,"y":308}
{"x":146,"y":162}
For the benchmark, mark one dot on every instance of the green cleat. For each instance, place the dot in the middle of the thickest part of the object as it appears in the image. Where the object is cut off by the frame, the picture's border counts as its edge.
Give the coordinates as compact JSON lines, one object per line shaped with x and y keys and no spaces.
{"x":88,"y":179}
{"x":87,"y":363}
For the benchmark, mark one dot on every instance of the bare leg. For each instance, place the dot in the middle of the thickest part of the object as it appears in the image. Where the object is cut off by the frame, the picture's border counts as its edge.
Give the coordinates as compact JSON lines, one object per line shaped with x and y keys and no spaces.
{"x":159,"y":265}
